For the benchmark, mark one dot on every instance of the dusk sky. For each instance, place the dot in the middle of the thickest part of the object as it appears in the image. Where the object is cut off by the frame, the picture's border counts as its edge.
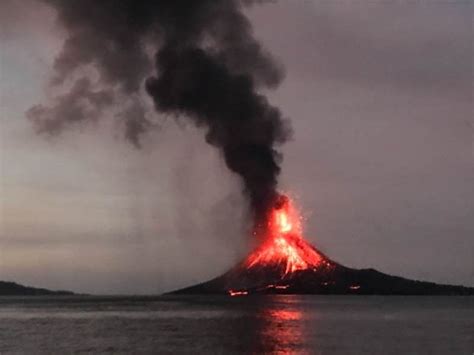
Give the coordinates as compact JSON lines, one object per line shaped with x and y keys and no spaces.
{"x":381,"y":161}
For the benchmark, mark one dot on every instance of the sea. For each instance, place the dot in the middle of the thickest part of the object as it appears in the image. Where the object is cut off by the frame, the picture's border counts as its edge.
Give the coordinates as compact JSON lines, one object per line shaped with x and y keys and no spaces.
{"x":271,"y":324}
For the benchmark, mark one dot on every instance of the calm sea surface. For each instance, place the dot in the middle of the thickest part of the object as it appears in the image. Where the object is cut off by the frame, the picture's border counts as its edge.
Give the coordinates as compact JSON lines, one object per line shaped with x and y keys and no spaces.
{"x":225,"y":325}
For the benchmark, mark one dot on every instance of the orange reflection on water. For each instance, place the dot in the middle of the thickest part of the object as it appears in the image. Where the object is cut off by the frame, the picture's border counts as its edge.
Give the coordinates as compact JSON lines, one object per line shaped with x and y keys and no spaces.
{"x":283,"y":314}
{"x":281,"y":329}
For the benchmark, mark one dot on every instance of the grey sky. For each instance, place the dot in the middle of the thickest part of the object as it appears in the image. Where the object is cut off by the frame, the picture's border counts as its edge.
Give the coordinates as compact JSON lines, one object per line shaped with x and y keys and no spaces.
{"x":382,"y":165}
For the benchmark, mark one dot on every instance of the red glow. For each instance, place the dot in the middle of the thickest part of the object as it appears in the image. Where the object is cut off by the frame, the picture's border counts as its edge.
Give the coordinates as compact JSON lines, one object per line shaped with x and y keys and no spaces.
{"x":284,"y":245}
{"x":237,"y":293}
{"x":285,"y":315}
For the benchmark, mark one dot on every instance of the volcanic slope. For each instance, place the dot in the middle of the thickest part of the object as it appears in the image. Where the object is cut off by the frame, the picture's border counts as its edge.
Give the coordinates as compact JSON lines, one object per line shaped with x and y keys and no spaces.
{"x":328,"y":278}
{"x":284,"y":263}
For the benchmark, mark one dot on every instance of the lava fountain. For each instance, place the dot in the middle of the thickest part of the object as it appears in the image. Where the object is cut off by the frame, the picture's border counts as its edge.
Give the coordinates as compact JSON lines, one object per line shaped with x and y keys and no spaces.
{"x":283,"y":244}
{"x":282,"y":255}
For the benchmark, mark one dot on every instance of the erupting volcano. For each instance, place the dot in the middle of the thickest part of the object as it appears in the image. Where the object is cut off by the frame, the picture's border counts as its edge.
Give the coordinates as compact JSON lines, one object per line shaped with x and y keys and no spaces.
{"x":283,"y":247}
{"x":207,"y":69}
{"x":284,"y":263}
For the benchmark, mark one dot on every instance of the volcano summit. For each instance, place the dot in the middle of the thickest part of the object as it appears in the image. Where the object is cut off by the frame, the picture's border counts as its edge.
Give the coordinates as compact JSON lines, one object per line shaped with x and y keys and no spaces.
{"x":284,"y":263}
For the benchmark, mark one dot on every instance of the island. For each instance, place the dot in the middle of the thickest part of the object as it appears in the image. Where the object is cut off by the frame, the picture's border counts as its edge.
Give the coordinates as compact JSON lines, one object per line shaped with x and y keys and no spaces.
{"x":8,"y":288}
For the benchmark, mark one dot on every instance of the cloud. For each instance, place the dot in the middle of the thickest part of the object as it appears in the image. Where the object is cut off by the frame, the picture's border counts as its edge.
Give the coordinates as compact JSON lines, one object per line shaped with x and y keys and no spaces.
{"x":414,"y":46}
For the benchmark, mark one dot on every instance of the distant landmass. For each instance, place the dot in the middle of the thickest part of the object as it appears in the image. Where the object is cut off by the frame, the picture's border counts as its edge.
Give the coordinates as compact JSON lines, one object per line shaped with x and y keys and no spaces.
{"x":14,"y":289}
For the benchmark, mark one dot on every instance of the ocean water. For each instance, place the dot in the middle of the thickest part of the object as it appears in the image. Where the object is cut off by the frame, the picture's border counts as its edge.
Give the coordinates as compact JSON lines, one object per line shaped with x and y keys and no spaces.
{"x":233,"y":325}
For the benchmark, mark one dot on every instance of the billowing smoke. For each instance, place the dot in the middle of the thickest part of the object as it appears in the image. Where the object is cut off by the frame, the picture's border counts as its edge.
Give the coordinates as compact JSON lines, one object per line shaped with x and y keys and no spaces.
{"x":196,"y":59}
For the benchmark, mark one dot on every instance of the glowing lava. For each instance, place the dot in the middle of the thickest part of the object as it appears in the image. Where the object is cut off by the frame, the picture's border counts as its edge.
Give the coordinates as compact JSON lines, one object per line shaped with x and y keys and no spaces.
{"x":284,"y":246}
{"x":237,"y":293}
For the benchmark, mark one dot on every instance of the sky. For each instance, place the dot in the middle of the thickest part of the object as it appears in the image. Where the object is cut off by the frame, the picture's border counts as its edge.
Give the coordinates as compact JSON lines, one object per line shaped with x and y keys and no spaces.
{"x":381,"y":163}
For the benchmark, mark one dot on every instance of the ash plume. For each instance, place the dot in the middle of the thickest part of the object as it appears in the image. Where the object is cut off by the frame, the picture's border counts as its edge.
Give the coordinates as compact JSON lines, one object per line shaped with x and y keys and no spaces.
{"x":196,"y":59}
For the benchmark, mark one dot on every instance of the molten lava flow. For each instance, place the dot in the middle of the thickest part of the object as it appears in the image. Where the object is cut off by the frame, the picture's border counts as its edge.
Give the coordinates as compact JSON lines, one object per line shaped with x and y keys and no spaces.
{"x":283,"y":244}
{"x":237,"y":293}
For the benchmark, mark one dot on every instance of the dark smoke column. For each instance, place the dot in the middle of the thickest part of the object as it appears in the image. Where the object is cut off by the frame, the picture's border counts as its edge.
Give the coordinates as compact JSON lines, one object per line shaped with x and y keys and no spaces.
{"x":215,"y":86}
{"x":208,"y":67}
{"x":240,"y":122}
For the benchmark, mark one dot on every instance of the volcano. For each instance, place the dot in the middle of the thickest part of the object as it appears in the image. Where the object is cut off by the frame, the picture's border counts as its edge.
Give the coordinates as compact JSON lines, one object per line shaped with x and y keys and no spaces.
{"x":285,"y":263}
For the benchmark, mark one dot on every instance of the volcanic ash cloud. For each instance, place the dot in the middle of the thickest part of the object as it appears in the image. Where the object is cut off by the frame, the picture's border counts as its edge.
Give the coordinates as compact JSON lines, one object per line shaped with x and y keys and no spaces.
{"x":195,"y":59}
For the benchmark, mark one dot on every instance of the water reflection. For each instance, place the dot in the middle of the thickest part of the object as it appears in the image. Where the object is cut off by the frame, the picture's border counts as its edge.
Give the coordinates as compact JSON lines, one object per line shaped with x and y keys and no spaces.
{"x":279,"y":327}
